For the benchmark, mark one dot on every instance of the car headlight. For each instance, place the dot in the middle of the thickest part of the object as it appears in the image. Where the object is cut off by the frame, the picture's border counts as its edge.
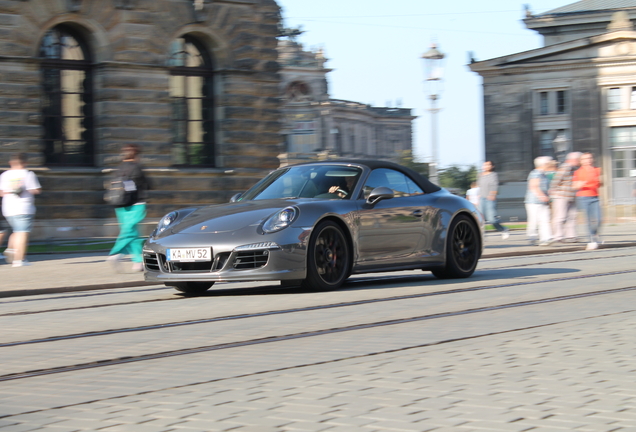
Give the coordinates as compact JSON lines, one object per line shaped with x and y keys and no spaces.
{"x":280,"y":220}
{"x":165,"y":222}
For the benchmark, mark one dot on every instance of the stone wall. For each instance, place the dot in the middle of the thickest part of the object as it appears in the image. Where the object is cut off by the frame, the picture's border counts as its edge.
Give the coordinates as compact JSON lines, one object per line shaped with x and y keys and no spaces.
{"x":586,"y":116}
{"x":129,"y":41}
{"x":508,"y":129}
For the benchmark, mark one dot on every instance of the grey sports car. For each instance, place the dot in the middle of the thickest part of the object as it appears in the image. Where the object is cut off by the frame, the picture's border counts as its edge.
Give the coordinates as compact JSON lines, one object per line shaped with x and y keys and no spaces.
{"x":315,"y":224}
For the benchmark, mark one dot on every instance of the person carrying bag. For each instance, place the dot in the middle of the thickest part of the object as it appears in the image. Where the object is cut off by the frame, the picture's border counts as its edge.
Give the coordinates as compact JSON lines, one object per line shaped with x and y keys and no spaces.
{"x":128,"y":193}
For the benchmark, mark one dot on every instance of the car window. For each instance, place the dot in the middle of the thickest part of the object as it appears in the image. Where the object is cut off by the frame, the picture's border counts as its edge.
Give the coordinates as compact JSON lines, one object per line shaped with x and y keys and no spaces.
{"x":392,"y":179}
{"x":310,"y":181}
{"x":413,"y":188}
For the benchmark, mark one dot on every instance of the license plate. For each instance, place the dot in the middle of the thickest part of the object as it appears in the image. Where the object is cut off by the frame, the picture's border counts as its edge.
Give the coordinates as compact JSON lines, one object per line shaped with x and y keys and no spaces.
{"x":189,"y":254}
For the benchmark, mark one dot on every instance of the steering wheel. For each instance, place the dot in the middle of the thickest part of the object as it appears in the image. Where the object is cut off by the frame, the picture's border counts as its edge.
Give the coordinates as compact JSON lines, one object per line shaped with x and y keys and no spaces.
{"x":343,"y":192}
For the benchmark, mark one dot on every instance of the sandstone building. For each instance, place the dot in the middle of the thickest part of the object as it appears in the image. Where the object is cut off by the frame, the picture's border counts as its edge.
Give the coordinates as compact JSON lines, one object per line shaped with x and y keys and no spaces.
{"x":577,"y":92}
{"x":314,"y":122}
{"x":194,"y":82}
{"x":198,"y":84}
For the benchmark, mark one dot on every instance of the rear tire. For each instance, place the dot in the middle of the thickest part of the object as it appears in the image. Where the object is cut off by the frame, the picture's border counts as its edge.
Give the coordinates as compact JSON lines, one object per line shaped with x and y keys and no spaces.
{"x":463,"y":249}
{"x":328,"y":258}
{"x":192,"y":288}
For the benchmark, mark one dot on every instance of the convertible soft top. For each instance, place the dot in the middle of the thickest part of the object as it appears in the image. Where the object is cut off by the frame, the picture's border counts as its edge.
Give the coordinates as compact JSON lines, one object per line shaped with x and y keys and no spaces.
{"x":418,"y":178}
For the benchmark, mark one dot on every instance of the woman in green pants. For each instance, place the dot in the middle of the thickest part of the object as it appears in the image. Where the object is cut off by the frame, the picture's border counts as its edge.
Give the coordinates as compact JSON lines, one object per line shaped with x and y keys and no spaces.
{"x":131,"y":211}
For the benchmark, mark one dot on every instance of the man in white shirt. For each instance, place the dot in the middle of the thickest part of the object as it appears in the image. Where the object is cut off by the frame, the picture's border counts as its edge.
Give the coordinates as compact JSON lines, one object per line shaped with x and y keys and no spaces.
{"x":17,"y":188}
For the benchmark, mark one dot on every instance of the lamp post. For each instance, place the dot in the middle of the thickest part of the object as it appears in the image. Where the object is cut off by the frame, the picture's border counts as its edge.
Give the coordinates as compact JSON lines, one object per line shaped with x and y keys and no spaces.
{"x":561,"y":145}
{"x":433,"y":66}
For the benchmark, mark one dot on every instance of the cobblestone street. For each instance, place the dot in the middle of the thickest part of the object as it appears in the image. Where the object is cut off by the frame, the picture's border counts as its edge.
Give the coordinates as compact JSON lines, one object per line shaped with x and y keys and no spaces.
{"x":530,"y":343}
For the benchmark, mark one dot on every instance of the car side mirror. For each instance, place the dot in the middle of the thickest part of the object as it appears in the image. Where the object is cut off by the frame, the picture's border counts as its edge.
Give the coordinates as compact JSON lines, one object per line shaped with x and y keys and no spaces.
{"x":235,"y":197}
{"x":379,"y":194}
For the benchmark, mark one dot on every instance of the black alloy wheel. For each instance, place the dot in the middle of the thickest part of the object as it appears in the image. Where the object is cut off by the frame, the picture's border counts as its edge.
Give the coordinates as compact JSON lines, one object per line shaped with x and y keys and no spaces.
{"x":462,"y":249}
{"x":329,"y":258}
{"x":191,"y":288}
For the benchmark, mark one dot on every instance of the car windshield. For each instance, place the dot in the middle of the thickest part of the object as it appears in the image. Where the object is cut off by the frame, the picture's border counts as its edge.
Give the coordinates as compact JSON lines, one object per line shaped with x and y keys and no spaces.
{"x":307,"y":181}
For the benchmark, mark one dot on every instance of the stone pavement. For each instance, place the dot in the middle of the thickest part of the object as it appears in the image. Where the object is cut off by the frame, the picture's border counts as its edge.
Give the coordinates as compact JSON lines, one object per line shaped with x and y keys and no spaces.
{"x":51,"y":273}
{"x":548,"y":367}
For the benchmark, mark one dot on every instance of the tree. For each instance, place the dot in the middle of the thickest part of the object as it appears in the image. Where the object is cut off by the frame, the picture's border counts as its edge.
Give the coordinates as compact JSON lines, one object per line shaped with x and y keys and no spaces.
{"x":407,"y":159}
{"x":456,"y":177}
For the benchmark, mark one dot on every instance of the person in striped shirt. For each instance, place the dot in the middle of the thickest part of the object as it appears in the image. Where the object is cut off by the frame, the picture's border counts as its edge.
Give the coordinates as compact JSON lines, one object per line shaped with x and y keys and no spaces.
{"x":563,"y":195}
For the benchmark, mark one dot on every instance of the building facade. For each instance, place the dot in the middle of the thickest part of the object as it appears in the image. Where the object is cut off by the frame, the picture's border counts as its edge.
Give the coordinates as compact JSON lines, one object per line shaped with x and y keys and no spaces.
{"x":194,"y":82}
{"x":576,"y":93}
{"x":315,"y":123}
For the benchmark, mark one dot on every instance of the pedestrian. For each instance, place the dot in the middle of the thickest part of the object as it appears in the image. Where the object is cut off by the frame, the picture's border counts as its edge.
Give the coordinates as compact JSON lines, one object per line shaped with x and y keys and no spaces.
{"x":563,"y":196}
{"x":551,"y":170}
{"x":587,"y":180}
{"x":472,"y":194}
{"x":488,"y":183}
{"x":537,"y":203}
{"x":132,"y":211}
{"x":18,"y":187}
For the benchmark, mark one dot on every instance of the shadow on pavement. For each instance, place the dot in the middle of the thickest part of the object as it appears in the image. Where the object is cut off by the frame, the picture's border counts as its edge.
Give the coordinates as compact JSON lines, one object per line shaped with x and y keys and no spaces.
{"x":368,"y":282}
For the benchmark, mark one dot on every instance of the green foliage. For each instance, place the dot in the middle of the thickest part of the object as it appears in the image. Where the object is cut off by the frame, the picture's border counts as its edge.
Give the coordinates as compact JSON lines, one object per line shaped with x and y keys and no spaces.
{"x":407,"y":159}
{"x":456,"y":177}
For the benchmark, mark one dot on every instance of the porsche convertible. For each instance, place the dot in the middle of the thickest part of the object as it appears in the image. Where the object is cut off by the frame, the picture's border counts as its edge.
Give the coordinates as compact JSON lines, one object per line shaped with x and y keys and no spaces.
{"x":315,"y":224}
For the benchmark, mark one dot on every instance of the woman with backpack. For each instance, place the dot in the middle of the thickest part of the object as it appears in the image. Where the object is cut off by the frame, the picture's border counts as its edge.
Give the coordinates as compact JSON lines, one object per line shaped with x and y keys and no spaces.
{"x":130,"y":208}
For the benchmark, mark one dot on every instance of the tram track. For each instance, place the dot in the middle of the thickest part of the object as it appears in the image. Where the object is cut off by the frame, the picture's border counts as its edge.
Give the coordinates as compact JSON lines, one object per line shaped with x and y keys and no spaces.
{"x":276,"y":289}
{"x":315,"y":308}
{"x":292,"y":336}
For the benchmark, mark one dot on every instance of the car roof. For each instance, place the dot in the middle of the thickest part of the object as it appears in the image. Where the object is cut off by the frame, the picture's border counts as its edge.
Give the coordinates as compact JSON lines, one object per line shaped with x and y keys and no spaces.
{"x":418,"y":178}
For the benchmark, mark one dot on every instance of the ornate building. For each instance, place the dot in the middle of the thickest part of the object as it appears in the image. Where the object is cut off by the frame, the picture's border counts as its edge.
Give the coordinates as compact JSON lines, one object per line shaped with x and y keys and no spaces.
{"x":313,"y":122}
{"x":577,"y":92}
{"x":194,"y":82}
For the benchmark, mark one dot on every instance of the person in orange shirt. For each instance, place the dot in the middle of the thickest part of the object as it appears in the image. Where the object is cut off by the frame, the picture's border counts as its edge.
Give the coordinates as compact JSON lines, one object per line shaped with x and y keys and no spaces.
{"x":587,"y":180}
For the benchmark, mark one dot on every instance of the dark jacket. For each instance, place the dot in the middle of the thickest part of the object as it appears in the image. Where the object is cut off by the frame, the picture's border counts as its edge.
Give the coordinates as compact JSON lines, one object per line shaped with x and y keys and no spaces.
{"x":129,"y":170}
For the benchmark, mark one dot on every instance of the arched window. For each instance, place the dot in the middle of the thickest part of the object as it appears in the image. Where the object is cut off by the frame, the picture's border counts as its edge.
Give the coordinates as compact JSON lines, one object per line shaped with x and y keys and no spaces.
{"x":191,"y":89}
{"x":67,"y":109}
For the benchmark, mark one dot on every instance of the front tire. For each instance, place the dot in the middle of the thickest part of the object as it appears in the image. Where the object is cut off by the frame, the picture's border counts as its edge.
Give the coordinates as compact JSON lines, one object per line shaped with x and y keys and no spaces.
{"x":328,"y":258}
{"x":192,"y":288}
{"x":463,"y":249}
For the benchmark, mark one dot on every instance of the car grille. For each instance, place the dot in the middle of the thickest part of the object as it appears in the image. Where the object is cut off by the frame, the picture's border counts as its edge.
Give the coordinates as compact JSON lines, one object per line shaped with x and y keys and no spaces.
{"x":250,"y":259}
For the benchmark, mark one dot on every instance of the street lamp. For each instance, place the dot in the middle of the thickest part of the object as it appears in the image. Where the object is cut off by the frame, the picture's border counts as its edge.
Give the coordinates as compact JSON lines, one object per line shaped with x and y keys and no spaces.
{"x":561,"y":146}
{"x":433,"y":65}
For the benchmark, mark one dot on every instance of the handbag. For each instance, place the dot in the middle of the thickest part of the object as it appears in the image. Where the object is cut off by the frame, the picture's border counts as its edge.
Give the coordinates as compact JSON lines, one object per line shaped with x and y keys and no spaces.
{"x":121,"y":193}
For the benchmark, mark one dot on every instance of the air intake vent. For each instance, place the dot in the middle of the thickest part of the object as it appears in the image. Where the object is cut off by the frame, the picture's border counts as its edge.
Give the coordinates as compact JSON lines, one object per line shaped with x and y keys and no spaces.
{"x":250,"y":259}
{"x":151,"y":261}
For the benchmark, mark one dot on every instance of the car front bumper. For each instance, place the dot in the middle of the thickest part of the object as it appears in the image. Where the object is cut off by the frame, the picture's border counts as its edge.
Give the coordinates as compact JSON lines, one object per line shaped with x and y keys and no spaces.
{"x":281,"y":256}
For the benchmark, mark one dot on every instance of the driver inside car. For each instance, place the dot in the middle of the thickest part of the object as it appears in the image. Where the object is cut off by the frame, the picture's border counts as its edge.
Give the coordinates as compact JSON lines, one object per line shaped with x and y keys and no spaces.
{"x":343,"y":188}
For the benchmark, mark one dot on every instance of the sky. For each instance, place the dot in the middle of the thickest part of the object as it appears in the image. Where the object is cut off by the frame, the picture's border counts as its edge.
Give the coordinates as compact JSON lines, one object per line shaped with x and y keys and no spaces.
{"x":374,"y":48}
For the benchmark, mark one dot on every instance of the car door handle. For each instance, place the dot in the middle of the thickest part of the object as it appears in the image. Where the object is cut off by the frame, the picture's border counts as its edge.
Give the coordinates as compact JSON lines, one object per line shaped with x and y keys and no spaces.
{"x":417,"y":213}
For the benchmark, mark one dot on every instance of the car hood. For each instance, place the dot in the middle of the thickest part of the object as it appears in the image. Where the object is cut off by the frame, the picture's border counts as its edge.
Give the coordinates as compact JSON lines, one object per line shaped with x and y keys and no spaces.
{"x":229,"y":217}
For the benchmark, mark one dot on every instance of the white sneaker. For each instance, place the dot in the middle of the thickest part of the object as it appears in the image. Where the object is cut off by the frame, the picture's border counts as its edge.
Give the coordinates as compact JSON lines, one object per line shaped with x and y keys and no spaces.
{"x":137,"y":267}
{"x":505,"y":235}
{"x":20,"y":263}
{"x":591,"y":246}
{"x":115,"y":262}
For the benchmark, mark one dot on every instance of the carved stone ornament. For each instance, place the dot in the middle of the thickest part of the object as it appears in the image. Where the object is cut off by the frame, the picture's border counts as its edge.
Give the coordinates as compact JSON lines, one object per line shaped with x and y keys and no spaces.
{"x":298,"y":91}
{"x":624,"y":48}
{"x":620,"y":21}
